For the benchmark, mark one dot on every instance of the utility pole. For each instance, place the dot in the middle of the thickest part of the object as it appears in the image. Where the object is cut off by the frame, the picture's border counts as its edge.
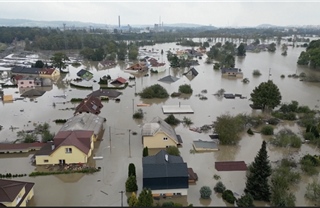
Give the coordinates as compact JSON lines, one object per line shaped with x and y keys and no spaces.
{"x":110,"y":138}
{"x":129,"y":144}
{"x":269,"y":74}
{"x":132,"y":106}
{"x":121,"y":192}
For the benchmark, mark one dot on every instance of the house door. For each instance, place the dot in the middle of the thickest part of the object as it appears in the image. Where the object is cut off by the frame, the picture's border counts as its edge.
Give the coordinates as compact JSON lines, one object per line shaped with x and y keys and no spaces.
{"x":62,"y":162}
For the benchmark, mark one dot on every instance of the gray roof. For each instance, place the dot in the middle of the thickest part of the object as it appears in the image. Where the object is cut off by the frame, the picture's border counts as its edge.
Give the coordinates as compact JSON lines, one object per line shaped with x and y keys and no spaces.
{"x":159,"y":125}
{"x":33,"y":93}
{"x":168,"y":78}
{"x":233,"y":70}
{"x":156,"y":166}
{"x":205,"y":144}
{"x":84,"y":121}
{"x":105,"y":92}
{"x":24,"y":70}
{"x":193,"y":72}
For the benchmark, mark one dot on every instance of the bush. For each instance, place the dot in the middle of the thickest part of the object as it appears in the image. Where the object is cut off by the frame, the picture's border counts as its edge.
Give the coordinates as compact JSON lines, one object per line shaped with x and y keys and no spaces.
{"x":228,"y":196}
{"x":131,"y":170}
{"x":172,"y":120}
{"x":267,"y":130}
{"x":256,"y":72}
{"x":285,"y":138}
{"x":250,"y":132}
{"x":282,"y":76}
{"x":187,"y":121}
{"x":131,"y":184}
{"x":172,"y":150}
{"x":85,"y":170}
{"x":186,"y":89}
{"x":273,"y":121}
{"x":138,"y":114}
{"x":219,"y":187}
{"x":75,"y":100}
{"x":175,"y":94}
{"x":205,"y":192}
{"x":245,"y":201}
{"x":60,"y":120}
{"x":154,"y":91}
{"x":290,"y":116}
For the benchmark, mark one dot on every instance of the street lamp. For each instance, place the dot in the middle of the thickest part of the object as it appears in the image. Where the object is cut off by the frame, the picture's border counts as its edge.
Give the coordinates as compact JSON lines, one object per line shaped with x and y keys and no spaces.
{"x":121,"y":192}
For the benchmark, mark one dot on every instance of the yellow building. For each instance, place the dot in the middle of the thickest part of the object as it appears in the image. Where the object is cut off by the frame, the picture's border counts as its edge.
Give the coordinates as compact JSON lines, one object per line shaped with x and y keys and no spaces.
{"x":68,"y":147}
{"x":159,"y":134}
{"x":15,"y":193}
{"x":49,"y":73}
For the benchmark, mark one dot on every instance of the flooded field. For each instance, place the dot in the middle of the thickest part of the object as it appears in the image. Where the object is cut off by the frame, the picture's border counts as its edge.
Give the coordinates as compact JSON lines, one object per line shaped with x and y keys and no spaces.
{"x":102,"y":188}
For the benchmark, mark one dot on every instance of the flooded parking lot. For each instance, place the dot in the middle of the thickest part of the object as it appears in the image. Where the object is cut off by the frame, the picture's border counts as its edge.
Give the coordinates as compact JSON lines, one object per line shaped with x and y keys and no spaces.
{"x":102,"y":188}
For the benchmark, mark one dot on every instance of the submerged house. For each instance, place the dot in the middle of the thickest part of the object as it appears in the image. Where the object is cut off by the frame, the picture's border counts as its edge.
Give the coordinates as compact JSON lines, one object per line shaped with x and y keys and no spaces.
{"x":165,"y":175}
{"x":191,"y":73}
{"x":159,"y":134}
{"x":85,"y":74}
{"x":137,"y":68}
{"x":85,"y":121}
{"x":105,"y":93}
{"x":68,"y":147}
{"x":15,"y":193}
{"x":232,"y":72}
{"x":89,"y":105}
{"x":119,"y":81}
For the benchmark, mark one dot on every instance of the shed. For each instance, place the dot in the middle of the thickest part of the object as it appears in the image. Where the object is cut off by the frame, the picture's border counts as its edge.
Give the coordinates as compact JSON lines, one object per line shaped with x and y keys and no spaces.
{"x":119,"y":81}
{"x":231,"y":166}
{"x":229,"y":96}
{"x":205,"y":146}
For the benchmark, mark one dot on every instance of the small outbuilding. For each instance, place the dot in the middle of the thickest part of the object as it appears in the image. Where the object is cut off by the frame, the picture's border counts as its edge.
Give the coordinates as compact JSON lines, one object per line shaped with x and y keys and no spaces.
{"x":205,"y":146}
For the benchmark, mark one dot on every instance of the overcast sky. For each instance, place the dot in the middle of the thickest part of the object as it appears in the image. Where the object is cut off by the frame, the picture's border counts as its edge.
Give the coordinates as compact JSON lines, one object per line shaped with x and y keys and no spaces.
{"x":133,"y":12}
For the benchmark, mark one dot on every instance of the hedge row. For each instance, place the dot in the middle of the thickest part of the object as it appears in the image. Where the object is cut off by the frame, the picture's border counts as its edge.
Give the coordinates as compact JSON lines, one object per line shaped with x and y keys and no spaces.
{"x":86,"y":170}
{"x":9,"y":175}
{"x":83,"y":87}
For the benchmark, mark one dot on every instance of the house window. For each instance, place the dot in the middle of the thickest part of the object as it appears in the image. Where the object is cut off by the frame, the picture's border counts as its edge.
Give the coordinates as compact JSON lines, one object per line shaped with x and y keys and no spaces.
{"x":68,"y":150}
{"x":21,"y":82}
{"x":45,"y":161}
{"x":165,"y":138}
{"x":30,"y":82}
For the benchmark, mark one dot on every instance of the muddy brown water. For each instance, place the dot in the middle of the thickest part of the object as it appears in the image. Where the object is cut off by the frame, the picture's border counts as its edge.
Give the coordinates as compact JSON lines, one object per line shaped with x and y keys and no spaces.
{"x":103,"y":188}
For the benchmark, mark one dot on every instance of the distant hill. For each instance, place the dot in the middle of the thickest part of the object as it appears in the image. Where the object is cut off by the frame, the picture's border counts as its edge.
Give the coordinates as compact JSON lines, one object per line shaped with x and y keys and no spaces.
{"x":37,"y":23}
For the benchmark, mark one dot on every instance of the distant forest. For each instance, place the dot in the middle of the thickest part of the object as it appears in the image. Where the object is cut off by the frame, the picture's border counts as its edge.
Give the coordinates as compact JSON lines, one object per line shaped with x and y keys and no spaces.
{"x":56,"y":39}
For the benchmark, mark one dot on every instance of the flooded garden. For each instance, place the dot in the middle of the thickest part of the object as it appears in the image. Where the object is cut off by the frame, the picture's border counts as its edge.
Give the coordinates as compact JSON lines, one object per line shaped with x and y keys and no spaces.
{"x":119,"y":147}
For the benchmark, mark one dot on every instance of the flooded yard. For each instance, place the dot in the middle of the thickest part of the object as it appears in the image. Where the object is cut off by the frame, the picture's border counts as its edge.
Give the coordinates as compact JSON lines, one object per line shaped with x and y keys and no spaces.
{"x":102,"y":188}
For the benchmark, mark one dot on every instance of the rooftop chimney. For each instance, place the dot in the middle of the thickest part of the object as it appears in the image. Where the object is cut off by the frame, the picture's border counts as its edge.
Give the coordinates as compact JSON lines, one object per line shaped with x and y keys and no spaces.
{"x":52,"y":146}
{"x":166,"y":157}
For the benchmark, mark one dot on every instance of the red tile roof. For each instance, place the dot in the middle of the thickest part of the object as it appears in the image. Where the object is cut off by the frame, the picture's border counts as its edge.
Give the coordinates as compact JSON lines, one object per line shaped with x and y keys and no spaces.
{"x":9,"y":189}
{"x":119,"y":80}
{"x":90,"y":104}
{"x":81,"y":139}
{"x":231,"y":166}
{"x":47,"y":71}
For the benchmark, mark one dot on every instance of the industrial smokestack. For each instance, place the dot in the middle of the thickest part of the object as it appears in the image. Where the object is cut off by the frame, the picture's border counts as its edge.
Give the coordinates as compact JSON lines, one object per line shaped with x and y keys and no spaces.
{"x":119,"y":20}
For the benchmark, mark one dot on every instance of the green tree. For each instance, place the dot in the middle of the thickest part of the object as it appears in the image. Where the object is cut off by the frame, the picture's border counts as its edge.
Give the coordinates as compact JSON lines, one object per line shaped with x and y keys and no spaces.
{"x":219,"y":187}
{"x":228,"y":196}
{"x":205,"y":192}
{"x":145,"y":198}
{"x":47,"y":136}
{"x":39,"y":64}
{"x":133,"y":201}
{"x":313,"y":192}
{"x":145,"y":152}
{"x":172,"y":150}
{"x":272,"y":47}
{"x":241,"y":50}
{"x":245,"y":201}
{"x":266,"y":95}
{"x":154,"y":91}
{"x":131,"y":184}
{"x":59,"y":60}
{"x":228,"y":128}
{"x":131,"y":170}
{"x":257,"y":178}
{"x":172,"y":120}
{"x":303,"y":58}
{"x":185,"y":89}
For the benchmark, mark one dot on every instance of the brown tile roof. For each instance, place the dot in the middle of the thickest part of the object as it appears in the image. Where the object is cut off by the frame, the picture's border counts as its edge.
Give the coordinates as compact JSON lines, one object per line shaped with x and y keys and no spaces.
{"x":9,"y":189}
{"x":47,"y":71}
{"x":81,"y":139}
{"x":20,"y":146}
{"x":119,"y":80}
{"x":231,"y":166}
{"x":90,"y":104}
{"x":192,"y":175}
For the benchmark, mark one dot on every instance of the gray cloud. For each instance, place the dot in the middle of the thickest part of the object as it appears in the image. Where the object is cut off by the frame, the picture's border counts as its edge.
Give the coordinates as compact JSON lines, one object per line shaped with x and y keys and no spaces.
{"x":216,"y":13}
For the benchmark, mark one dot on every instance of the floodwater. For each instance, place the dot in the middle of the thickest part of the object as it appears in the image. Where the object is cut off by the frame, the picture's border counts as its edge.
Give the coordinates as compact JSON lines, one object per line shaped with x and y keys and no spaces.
{"x":103,"y":188}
